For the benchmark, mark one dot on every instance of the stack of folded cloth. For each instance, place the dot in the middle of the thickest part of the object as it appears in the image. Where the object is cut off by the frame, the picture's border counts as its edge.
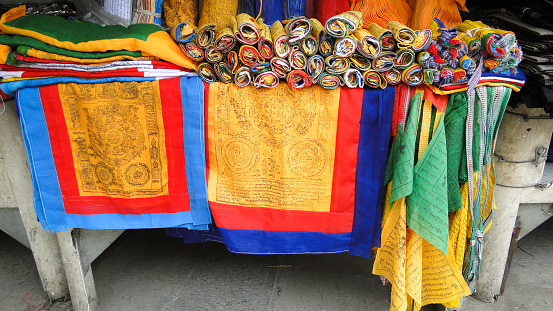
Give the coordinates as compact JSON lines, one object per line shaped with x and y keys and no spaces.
{"x":455,"y":55}
{"x":302,"y":51}
{"x":72,"y":51}
{"x":532,"y":23}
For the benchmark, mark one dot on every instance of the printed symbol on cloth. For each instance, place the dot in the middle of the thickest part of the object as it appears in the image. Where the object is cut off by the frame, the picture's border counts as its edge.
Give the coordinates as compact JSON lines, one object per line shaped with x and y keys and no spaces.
{"x":307,"y":158}
{"x":239,"y":155}
{"x":116,"y":134}
{"x":137,"y":174}
{"x":104,"y":174}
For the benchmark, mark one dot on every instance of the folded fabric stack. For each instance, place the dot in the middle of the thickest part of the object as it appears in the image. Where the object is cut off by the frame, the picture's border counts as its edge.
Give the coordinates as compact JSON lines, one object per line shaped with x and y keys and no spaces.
{"x":32,"y":54}
{"x":532,"y":23}
{"x":457,"y":57}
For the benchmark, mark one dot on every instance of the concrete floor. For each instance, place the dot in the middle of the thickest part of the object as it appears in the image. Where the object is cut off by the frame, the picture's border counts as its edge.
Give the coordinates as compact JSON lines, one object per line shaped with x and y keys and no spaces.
{"x":145,"y":270}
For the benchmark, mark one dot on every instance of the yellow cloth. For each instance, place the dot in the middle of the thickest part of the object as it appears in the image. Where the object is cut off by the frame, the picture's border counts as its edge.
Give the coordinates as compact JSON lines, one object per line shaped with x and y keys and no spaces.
{"x":180,"y":11}
{"x":293,"y":130}
{"x":218,"y":12}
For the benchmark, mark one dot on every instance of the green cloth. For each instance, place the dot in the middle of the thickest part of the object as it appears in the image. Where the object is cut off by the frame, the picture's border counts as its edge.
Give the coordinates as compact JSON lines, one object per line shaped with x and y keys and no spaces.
{"x":454,"y":122}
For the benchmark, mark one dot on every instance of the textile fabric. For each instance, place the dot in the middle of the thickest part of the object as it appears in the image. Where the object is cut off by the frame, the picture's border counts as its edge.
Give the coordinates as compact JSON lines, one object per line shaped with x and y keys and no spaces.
{"x":117,"y":163}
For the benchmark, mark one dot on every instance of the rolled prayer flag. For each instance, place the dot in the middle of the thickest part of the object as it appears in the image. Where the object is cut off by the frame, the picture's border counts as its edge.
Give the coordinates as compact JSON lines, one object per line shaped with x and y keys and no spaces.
{"x":242,"y":77}
{"x":213,"y":55}
{"x":192,"y":50}
{"x":354,"y":78}
{"x":265,"y":44}
{"x":344,"y":47}
{"x":459,"y":75}
{"x":446,"y":76}
{"x":207,"y":73}
{"x":336,"y":65}
{"x":249,"y":55}
{"x":280,"y":66}
{"x":309,"y":45}
{"x":413,"y":75}
{"x":315,"y":66}
{"x":360,"y":62}
{"x":431,"y":76}
{"x":403,"y":35}
{"x":344,"y":24}
{"x":205,"y":35}
{"x":245,"y":29}
{"x":259,"y":68}
{"x":405,"y":57}
{"x":181,"y":17}
{"x":367,"y":44}
{"x":392,"y":76}
{"x":223,"y":72}
{"x":280,"y":40}
{"x":297,"y":29}
{"x":224,"y":40}
{"x":374,"y":79}
{"x":385,"y":36}
{"x":329,"y":81}
{"x":233,"y":61}
{"x":297,"y":59}
{"x":266,"y":79}
{"x":298,"y":79}
{"x":183,"y":33}
{"x":422,"y":40}
{"x":325,"y":41}
{"x":467,"y":63}
{"x":384,"y":61}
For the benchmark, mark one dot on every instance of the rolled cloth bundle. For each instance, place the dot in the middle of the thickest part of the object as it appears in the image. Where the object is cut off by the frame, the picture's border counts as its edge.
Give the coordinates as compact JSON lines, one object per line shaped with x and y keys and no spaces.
{"x":233,"y":61}
{"x":354,"y":78}
{"x":298,"y":79}
{"x":205,"y":36}
{"x":413,"y":75}
{"x":297,"y":29}
{"x":309,"y":46}
{"x":315,"y":66}
{"x":344,"y":47}
{"x":224,"y":40}
{"x":344,"y":24}
{"x":297,"y":59}
{"x":384,"y":61}
{"x":280,"y":39}
{"x":367,"y":44}
{"x":223,"y":72}
{"x":431,"y":76}
{"x":385,"y":36}
{"x":374,"y":79}
{"x":392,"y":76}
{"x":249,"y":55}
{"x":207,"y":73}
{"x":329,"y":81}
{"x":405,"y":57}
{"x":336,"y":65}
{"x":192,"y":50}
{"x":181,"y":16}
{"x":265,"y":44}
{"x":260,"y":68}
{"x":280,"y":66}
{"x":242,"y":77}
{"x":473,"y":44}
{"x":266,"y":79}
{"x":245,"y":28}
{"x":422,"y":39}
{"x":360,"y":62}
{"x":325,"y":41}
{"x":213,"y":55}
{"x":403,"y":35}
